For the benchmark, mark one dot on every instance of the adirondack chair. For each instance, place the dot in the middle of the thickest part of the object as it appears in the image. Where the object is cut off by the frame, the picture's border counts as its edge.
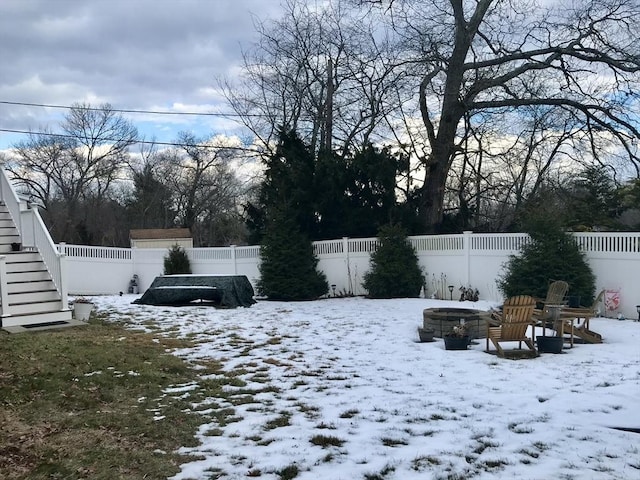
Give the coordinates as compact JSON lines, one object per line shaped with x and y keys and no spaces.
{"x":512,"y":325}
{"x":569,"y":315}
{"x":555,"y":296}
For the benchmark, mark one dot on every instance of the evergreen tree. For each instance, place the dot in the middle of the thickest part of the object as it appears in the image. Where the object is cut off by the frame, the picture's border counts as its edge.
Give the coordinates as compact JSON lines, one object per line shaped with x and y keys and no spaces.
{"x":552,"y":254}
{"x":395,"y":271}
{"x":593,"y":201}
{"x":288,"y":268}
{"x":357,"y":192}
{"x":176,"y":261}
{"x":371,"y":190}
{"x":330,"y":196}
{"x":331,"y":202}
{"x":289,"y":178}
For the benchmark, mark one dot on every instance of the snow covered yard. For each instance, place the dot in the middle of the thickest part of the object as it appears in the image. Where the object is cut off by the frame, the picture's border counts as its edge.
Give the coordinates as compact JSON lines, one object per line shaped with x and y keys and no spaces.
{"x":342,"y":389}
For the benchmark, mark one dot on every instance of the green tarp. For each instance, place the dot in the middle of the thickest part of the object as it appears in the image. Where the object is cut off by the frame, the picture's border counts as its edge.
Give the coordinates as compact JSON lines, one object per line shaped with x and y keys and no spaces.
{"x":226,"y":291}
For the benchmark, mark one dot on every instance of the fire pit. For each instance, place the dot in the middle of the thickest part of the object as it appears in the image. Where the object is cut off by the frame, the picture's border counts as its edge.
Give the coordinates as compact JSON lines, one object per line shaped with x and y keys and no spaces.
{"x":442,"y":320}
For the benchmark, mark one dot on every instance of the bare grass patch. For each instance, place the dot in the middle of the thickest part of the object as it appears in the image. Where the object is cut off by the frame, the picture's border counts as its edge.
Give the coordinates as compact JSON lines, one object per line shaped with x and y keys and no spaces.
{"x":90,"y":402}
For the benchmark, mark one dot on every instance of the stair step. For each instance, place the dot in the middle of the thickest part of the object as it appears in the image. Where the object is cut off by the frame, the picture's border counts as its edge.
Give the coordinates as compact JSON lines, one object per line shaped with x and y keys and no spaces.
{"x":36,"y":296}
{"x":34,"y":319}
{"x":23,"y":256}
{"x":9,"y":237}
{"x":32,"y":296}
{"x":18,"y":267}
{"x":29,"y":286}
{"x":33,"y":308}
{"x":33,"y":276}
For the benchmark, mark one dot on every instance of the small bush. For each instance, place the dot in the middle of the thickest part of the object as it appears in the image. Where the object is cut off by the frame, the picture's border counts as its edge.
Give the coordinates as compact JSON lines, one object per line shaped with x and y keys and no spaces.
{"x":395,"y":272}
{"x":176,"y":261}
{"x":551,"y":255}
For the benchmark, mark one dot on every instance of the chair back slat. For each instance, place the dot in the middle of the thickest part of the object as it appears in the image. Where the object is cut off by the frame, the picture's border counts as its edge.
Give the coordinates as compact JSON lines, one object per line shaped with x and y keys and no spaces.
{"x":556,"y":292}
{"x":516,"y":314}
{"x":516,"y":318}
{"x":514,"y":331}
{"x":555,"y":296}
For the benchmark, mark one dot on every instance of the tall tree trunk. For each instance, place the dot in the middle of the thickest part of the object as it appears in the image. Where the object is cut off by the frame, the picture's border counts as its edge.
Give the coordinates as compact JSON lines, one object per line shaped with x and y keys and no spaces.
{"x":433,"y":197}
{"x":443,"y":142}
{"x":438,"y":166}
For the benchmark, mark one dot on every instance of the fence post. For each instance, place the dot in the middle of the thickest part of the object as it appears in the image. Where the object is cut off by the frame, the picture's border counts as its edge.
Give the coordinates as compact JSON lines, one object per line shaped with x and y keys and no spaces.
{"x":134,"y":266}
{"x":347,"y":262}
{"x":4,"y":294}
{"x":466,"y":246}
{"x":64,"y":287}
{"x":233,"y":259}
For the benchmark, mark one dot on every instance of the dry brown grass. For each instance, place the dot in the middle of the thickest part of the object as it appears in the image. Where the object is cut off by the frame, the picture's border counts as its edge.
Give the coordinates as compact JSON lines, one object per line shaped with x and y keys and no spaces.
{"x":80,"y":403}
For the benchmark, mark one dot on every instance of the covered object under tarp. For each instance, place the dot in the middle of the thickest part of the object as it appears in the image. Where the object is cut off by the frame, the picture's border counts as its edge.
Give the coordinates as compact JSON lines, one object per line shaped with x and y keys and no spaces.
{"x":226,"y":291}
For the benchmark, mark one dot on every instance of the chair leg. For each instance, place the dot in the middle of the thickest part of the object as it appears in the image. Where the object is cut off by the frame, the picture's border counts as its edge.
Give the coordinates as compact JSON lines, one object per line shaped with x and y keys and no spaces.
{"x":531,"y":345}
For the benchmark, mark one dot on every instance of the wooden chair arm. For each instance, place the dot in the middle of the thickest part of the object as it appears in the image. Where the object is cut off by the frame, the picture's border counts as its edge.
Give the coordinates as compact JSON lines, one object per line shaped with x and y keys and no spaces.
{"x":576,"y":312}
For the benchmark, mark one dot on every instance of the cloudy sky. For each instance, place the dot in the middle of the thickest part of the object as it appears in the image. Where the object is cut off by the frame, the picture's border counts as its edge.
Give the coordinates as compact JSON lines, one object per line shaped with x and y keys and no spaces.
{"x":160,"y":55}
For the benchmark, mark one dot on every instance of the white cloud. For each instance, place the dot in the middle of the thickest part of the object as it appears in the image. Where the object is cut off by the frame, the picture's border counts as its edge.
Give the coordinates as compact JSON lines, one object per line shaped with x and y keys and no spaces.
{"x":147,"y":54}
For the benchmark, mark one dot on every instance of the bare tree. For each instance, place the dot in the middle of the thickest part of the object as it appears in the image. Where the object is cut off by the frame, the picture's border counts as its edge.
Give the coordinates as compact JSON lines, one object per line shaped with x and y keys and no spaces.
{"x":79,"y":164}
{"x":494,"y":173}
{"x":149,"y":201}
{"x":204,"y":187}
{"x":327,"y":73}
{"x":473,"y":59}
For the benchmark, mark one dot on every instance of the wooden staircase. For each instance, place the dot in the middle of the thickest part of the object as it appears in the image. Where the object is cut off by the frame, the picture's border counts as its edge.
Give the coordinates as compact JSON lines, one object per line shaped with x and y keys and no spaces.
{"x":30,"y":297}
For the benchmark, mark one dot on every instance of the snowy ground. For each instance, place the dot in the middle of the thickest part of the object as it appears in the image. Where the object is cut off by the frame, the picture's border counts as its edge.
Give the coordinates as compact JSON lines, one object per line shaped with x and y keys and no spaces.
{"x":351,"y":372}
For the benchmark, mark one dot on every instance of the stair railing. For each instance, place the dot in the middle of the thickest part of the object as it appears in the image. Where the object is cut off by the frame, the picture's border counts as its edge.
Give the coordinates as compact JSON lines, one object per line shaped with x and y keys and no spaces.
{"x":33,"y":235}
{"x":36,"y":235}
{"x":10,"y":199}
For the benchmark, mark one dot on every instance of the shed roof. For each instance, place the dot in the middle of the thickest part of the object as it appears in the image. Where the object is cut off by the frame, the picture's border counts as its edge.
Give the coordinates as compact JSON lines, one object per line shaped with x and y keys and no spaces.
{"x":159,"y":233}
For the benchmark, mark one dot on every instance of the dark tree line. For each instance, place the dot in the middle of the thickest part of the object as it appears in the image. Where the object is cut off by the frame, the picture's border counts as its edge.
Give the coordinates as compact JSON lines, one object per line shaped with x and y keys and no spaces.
{"x":493,"y":101}
{"x":94,"y":190}
{"x":330,"y":195}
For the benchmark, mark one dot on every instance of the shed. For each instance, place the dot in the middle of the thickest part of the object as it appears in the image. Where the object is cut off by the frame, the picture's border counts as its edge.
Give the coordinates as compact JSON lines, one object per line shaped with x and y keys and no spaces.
{"x":161,"y":238}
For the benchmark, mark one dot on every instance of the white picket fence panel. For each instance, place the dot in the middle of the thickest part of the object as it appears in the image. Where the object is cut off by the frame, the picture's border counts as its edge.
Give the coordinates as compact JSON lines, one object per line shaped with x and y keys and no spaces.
{"x":467,"y":259}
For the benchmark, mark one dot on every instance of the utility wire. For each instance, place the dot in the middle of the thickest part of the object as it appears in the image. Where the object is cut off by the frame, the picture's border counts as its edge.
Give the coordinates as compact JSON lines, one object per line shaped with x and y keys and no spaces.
{"x":143,"y":142}
{"x":120,"y":110}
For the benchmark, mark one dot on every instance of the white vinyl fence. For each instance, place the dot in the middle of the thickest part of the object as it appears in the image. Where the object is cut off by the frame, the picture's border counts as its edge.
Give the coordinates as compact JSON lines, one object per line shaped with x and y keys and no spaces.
{"x":468,"y":259}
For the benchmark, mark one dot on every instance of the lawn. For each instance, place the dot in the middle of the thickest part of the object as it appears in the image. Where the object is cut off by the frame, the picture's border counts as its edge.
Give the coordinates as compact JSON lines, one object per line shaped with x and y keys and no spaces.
{"x":333,"y":389}
{"x":87,"y":402}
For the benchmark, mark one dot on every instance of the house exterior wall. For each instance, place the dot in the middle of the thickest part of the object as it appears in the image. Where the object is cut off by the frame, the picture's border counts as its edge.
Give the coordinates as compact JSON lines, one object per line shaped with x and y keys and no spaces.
{"x":466,"y":259}
{"x":162,"y":243}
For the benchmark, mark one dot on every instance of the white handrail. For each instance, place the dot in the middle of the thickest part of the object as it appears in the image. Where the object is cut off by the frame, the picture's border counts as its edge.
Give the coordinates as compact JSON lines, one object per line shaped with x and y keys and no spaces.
{"x":10,"y":199}
{"x":38,"y":237}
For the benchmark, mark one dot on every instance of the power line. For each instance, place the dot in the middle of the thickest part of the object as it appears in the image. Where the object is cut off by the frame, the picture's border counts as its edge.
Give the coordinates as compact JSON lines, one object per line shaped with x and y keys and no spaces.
{"x":122,"y":110}
{"x":143,"y":142}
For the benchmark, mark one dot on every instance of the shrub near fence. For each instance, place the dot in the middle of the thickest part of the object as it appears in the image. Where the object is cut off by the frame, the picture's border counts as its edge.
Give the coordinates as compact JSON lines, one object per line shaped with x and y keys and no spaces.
{"x":467,"y":259}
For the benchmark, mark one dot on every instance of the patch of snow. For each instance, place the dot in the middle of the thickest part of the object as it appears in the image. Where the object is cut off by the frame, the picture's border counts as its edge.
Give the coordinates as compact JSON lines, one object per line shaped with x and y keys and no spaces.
{"x":353,"y":369}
